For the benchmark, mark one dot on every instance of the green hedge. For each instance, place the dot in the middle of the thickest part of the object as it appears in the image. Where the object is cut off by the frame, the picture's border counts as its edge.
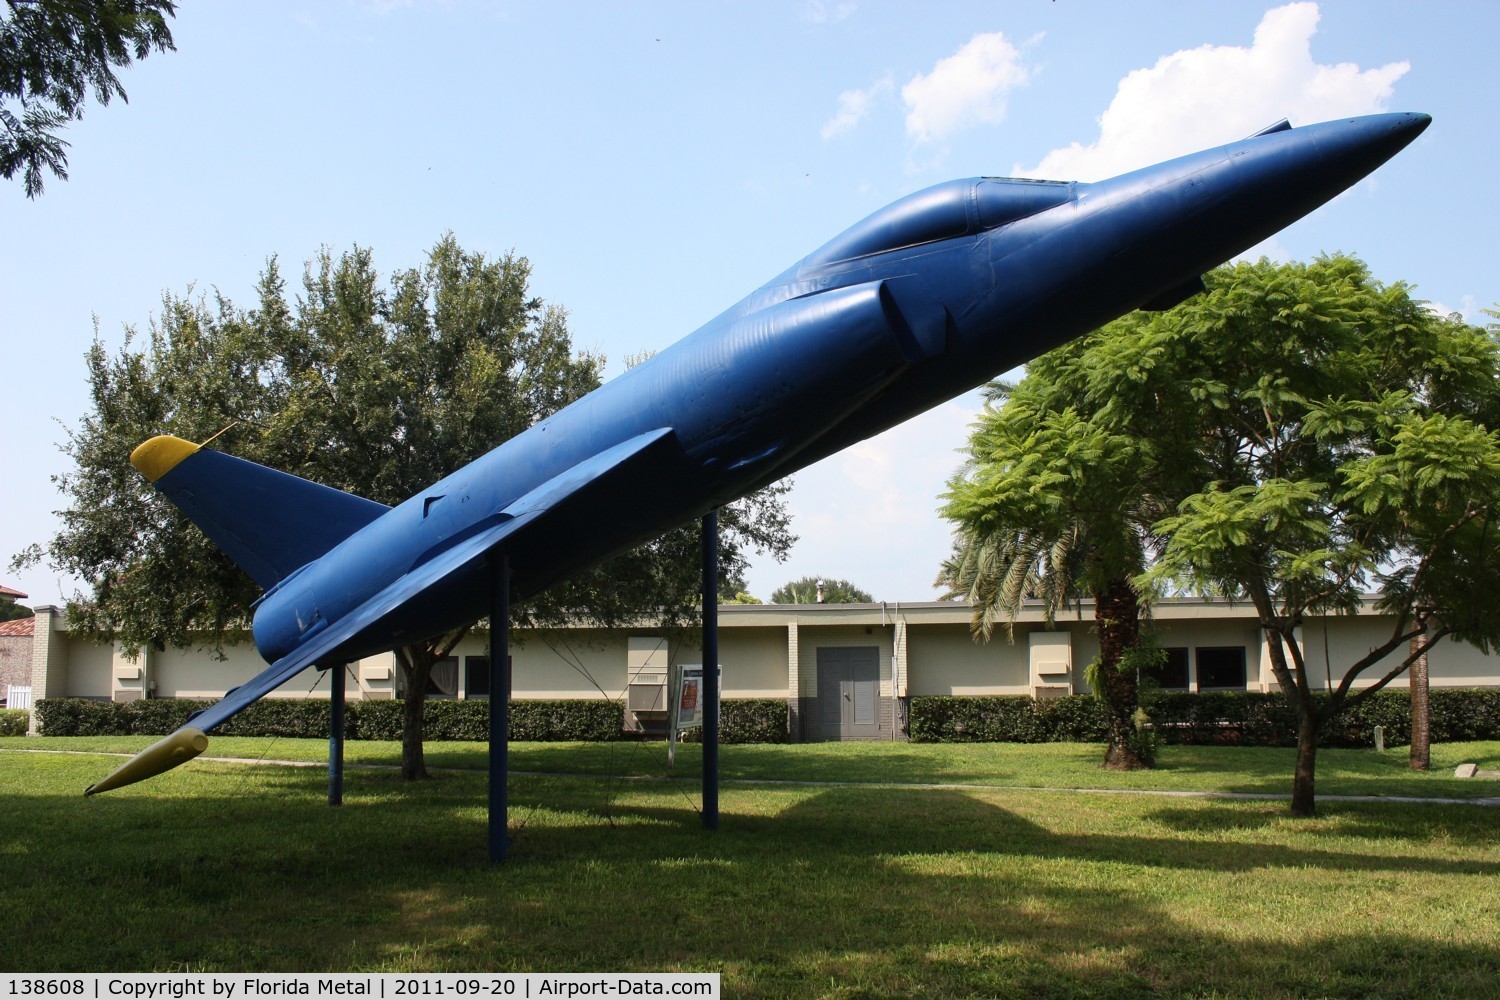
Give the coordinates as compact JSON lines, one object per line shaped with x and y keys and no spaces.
{"x":1267,"y":720}
{"x":157,"y":717}
{"x":14,"y":721}
{"x":1223,"y":717}
{"x":79,"y":717}
{"x":750,"y":721}
{"x":1233,"y":717}
{"x":1009,"y":719}
{"x":470,"y":720}
{"x":1457,"y":714}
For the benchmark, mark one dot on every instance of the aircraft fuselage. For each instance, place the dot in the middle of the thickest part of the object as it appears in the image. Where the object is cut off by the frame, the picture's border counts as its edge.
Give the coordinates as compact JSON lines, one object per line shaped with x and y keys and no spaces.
{"x":926,"y":299}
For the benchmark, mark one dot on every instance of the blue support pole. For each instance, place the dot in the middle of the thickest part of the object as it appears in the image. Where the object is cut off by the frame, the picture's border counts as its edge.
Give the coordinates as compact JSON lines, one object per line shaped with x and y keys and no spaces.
{"x":336,"y":735}
{"x":711,"y":670}
{"x":499,"y":820}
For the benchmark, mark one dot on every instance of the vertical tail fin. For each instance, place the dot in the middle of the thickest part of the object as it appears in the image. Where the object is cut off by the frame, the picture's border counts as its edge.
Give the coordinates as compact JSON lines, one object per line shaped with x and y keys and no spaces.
{"x":268,"y":522}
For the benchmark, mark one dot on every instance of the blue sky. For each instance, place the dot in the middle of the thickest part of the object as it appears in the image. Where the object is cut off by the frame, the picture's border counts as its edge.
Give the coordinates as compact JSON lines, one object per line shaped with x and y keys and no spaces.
{"x":656,"y":161}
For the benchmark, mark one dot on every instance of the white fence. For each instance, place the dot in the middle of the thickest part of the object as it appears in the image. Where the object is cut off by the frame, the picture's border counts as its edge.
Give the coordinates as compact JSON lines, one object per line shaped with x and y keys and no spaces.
{"x":18,"y":697}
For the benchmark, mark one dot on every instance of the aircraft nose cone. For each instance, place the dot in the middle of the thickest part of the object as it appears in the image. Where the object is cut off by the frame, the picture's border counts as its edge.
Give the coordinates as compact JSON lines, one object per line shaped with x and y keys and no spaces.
{"x":1413,"y":122}
{"x":1286,"y":174}
{"x":1392,"y":132}
{"x":1357,"y":146}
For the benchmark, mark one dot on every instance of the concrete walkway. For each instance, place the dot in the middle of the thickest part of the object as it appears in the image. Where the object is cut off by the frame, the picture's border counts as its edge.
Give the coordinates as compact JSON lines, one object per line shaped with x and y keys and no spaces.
{"x":1491,"y":802}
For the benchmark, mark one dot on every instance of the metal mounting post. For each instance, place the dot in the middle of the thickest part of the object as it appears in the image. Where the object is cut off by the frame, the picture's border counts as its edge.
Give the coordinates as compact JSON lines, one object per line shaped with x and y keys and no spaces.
{"x":499,"y":818}
{"x":711,"y":670}
{"x":336,"y":735}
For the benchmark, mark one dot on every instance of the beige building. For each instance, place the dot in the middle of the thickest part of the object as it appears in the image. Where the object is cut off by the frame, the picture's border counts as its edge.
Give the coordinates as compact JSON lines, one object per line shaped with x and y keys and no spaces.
{"x":845,"y":671}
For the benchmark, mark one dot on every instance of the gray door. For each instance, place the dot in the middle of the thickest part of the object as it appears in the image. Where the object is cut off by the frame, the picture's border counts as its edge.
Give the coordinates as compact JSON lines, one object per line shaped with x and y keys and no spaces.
{"x":849,"y":693}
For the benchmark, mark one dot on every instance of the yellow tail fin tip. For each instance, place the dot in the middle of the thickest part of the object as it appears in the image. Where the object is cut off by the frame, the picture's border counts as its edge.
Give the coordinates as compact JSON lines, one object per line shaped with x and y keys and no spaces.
{"x":160,"y":455}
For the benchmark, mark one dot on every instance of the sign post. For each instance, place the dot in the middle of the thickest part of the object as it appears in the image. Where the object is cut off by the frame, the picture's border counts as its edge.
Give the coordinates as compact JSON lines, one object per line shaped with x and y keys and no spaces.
{"x":685,"y":689}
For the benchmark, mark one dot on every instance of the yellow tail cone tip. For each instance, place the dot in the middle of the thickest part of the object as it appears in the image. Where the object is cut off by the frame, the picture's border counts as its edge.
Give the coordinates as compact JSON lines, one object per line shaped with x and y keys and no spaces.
{"x":160,"y":455}
{"x":163,"y":755}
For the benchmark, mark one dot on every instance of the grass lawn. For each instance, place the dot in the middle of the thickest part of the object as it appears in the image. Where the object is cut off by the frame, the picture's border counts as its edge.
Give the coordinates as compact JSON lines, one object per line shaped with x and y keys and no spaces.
{"x":1254,"y":770}
{"x":806,"y":890}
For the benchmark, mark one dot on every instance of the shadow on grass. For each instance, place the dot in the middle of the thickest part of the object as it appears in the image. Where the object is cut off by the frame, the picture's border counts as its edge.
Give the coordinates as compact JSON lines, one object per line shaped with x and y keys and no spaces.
{"x":1251,"y":770}
{"x":1431,"y":822}
{"x":808,"y":892}
{"x":1254,"y":770}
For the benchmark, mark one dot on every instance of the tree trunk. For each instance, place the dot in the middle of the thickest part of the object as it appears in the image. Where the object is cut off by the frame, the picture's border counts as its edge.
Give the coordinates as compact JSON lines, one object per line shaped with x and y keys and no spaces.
{"x":1421,"y":715}
{"x":1304,"y":802}
{"x":1117,"y":618}
{"x":417,"y":669}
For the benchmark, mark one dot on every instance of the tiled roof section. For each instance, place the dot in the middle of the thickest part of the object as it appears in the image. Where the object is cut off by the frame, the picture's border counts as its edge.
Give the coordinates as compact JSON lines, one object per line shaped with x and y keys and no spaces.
{"x":14,"y":595}
{"x":21,"y":626}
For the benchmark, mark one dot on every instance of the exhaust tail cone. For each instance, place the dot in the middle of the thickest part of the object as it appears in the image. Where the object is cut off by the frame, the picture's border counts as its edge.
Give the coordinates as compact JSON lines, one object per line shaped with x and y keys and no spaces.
{"x":163,"y":755}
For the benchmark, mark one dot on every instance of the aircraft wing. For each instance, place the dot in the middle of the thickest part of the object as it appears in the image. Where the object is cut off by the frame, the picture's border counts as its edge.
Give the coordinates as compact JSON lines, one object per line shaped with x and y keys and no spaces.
{"x":593,"y":475}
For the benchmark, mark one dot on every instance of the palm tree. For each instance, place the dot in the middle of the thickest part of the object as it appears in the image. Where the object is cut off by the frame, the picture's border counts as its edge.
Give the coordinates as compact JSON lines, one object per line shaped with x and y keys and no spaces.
{"x":998,"y":571}
{"x":1042,"y":511}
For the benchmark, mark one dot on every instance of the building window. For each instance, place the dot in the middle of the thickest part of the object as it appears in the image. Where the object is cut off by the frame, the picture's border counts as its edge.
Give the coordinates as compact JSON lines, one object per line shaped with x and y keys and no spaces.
{"x":1173,"y":675}
{"x":1221,"y":668}
{"x":443,"y":682}
{"x":476,"y":676}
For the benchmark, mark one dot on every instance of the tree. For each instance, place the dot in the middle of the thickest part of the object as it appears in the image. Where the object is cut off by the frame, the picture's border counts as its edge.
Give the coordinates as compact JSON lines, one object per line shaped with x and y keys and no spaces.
{"x":1048,"y":507}
{"x":370,"y":389}
{"x":1318,"y":435}
{"x":1421,"y":708}
{"x":11,"y":611}
{"x":734,"y":589}
{"x":818,"y":590}
{"x":53,"y":53}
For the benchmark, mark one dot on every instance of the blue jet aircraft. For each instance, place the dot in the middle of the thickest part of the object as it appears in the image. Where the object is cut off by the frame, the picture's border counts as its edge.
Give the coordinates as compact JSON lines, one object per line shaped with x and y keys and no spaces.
{"x":924,"y":300}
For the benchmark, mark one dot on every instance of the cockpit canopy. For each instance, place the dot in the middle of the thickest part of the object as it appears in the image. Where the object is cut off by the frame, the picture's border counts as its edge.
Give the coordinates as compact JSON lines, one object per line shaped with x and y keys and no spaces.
{"x":954,"y":208}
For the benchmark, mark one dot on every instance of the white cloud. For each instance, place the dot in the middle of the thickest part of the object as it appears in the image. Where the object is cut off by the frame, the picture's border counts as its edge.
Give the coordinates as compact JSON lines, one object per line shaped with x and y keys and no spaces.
{"x":819,"y":12}
{"x":1271,"y":248}
{"x":1468,"y":308}
{"x":854,"y":105}
{"x":967,"y":88}
{"x":1197,"y":98}
{"x":869,"y":513}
